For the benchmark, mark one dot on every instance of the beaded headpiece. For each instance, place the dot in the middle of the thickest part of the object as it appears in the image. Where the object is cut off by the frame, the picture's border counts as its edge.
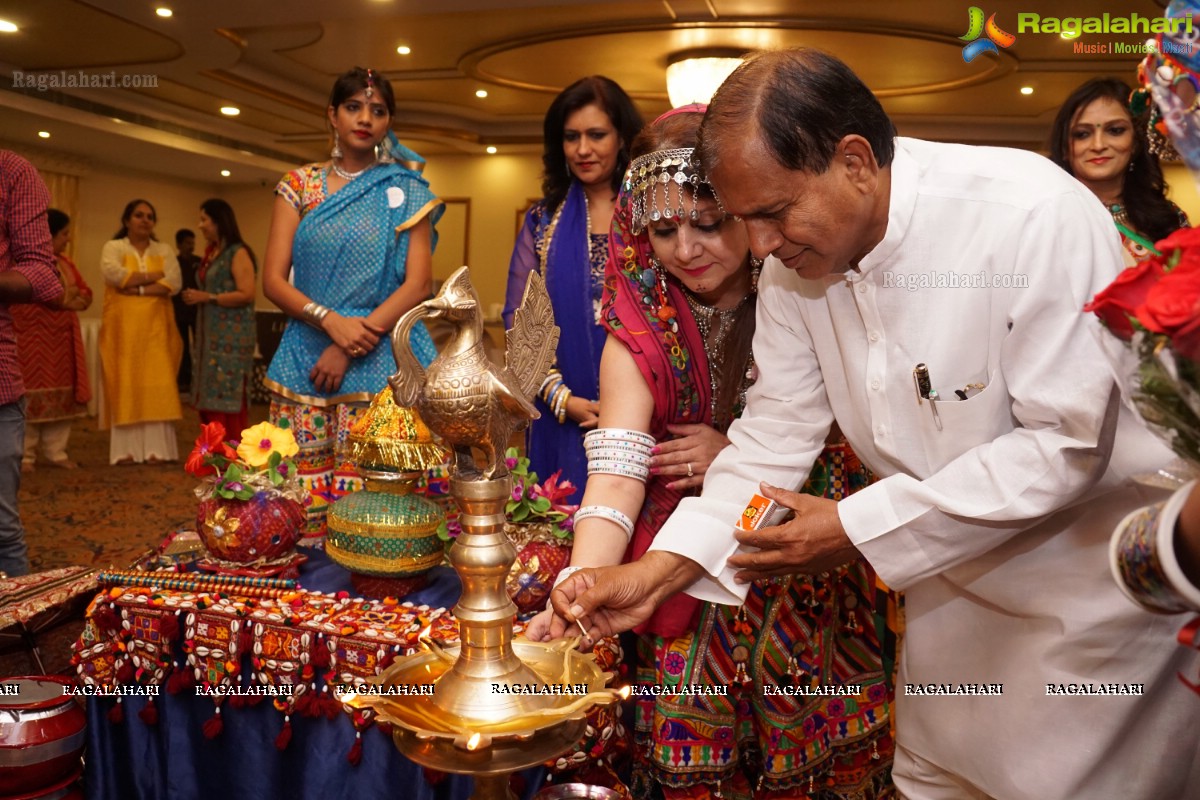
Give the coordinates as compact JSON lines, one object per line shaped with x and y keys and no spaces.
{"x":370,"y":83}
{"x":648,"y":182}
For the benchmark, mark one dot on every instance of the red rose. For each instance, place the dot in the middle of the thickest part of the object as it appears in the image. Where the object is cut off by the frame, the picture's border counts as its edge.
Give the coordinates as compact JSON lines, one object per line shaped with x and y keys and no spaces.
{"x":1171,"y":303}
{"x":1186,"y":341}
{"x":1120,"y":300}
{"x":1182,"y":239}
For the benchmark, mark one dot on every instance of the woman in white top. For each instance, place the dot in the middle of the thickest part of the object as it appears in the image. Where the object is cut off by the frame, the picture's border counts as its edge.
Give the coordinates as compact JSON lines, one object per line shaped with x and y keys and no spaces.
{"x":140,"y":346}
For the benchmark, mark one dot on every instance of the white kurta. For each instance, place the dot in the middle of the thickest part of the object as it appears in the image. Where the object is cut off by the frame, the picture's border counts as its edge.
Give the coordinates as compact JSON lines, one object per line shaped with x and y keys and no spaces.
{"x":996,"y":525}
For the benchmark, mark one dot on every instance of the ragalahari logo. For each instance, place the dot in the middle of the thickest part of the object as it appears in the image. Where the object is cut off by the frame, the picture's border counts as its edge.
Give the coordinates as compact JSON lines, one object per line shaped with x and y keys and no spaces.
{"x":976,"y":28}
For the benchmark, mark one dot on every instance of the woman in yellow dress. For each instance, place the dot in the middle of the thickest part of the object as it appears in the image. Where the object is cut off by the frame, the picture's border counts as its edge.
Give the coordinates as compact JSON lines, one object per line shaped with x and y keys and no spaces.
{"x":140,"y":346}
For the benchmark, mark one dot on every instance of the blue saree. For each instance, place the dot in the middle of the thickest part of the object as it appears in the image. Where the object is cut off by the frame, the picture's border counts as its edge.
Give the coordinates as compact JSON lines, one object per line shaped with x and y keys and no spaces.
{"x":561,"y":248}
{"x":349,"y":254}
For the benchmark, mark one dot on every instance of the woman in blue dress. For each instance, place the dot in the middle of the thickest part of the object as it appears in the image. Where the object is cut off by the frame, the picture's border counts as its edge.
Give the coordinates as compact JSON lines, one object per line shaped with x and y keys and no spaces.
{"x":357,"y":235}
{"x":587,"y":133}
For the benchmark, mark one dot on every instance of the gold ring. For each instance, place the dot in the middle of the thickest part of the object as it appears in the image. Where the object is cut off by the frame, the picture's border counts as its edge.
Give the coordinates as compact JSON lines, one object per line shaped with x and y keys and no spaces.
{"x":689,"y":466}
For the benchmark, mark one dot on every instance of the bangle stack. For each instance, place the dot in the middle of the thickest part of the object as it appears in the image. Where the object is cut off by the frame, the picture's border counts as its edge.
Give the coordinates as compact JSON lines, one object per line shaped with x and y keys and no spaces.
{"x":313,"y":314}
{"x":554,"y":393}
{"x":619,"y":451}
{"x":609,"y":513}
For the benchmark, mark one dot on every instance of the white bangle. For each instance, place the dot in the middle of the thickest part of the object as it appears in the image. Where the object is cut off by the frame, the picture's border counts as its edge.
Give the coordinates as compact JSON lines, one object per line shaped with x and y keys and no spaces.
{"x":609,"y":513}
{"x":621,"y":434}
{"x":607,"y":467}
{"x":563,"y":574}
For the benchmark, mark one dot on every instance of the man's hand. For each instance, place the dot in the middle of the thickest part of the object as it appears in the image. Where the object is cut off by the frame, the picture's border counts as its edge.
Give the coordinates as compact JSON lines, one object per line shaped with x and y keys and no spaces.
{"x":814,"y":541}
{"x":609,"y":600}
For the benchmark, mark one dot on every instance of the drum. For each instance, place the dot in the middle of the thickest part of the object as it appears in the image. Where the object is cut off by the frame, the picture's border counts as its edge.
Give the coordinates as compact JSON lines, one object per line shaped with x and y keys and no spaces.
{"x":41,"y":734}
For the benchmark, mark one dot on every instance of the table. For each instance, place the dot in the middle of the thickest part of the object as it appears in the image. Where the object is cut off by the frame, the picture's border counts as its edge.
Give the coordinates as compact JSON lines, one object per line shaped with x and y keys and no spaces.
{"x":173,"y":760}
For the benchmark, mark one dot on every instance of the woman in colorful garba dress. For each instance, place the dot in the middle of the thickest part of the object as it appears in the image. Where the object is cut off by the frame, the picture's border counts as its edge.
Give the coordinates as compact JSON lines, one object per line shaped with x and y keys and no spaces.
{"x":140,"y":346}
{"x":53,"y":361}
{"x":357,"y":233}
{"x":806,"y":660}
{"x":587,"y":133}
{"x":225,"y":330}
{"x":1096,"y":140}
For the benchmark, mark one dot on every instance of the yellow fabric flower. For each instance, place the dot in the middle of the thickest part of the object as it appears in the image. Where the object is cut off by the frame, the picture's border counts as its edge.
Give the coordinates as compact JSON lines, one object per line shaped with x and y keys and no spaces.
{"x":259,"y":441}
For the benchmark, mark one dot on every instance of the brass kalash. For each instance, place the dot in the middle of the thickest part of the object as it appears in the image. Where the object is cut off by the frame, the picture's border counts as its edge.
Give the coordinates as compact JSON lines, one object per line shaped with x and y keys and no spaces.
{"x":481,"y":718}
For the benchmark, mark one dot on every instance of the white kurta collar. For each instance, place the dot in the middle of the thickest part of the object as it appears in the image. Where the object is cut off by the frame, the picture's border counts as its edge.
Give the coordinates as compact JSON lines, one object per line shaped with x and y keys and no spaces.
{"x":902,"y":201}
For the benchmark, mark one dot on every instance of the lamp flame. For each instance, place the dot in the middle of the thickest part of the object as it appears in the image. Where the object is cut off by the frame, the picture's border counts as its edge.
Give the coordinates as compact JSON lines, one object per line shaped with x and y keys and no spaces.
{"x":473,"y":741}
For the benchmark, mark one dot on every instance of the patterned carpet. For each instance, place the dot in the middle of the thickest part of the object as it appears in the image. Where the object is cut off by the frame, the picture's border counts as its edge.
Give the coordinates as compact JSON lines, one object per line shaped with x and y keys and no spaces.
{"x":105,"y":516}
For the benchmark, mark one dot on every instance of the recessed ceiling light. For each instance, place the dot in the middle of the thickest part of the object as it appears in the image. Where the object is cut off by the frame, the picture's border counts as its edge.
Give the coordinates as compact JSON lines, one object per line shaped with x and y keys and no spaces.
{"x":230,"y":111}
{"x":7,"y":27}
{"x":491,"y":150}
{"x":225,"y":173}
{"x":403,"y":49}
{"x":163,"y":11}
{"x":117,"y":120}
{"x":1026,"y":90}
{"x":481,"y":92}
{"x":44,"y":134}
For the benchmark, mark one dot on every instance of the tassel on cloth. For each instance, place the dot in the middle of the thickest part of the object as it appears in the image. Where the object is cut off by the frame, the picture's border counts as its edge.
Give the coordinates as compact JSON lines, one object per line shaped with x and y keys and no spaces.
{"x":149,"y":713}
{"x":285,"y":736}
{"x":355,"y":754}
{"x":213,"y":726}
{"x":116,"y":714}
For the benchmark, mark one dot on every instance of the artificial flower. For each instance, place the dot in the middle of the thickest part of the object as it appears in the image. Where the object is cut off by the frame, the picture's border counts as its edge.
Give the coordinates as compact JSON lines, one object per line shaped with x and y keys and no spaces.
{"x":209,"y":445}
{"x":530,"y":501}
{"x":256,"y":466}
{"x":263,"y":439}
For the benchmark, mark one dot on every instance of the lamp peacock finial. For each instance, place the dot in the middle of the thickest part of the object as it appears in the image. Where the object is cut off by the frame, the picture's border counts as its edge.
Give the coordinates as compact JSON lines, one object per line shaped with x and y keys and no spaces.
{"x":463,"y":396}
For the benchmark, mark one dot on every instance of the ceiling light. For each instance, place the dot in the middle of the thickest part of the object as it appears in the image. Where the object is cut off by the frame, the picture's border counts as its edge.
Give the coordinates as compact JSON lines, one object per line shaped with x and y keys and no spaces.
{"x":225,"y":173}
{"x":7,"y":27}
{"x":163,"y":11}
{"x":481,"y":92}
{"x":491,"y":150}
{"x":403,"y":49}
{"x":117,"y":120}
{"x":694,"y":75}
{"x":230,"y":111}
{"x":1026,"y":90}
{"x":44,"y":134}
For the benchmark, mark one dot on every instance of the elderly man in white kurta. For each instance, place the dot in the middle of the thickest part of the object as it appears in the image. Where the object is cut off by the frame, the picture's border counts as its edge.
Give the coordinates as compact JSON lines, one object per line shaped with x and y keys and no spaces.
{"x":994,"y":503}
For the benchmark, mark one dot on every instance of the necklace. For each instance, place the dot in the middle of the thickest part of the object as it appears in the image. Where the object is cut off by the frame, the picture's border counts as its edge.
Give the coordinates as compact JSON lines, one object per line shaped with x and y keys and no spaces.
{"x":349,"y":176}
{"x":715,"y":325}
{"x":1119,"y":213}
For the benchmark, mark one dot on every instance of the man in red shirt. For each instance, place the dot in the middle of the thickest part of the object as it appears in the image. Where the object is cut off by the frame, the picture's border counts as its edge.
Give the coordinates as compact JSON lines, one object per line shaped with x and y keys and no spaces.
{"x":27,"y":275}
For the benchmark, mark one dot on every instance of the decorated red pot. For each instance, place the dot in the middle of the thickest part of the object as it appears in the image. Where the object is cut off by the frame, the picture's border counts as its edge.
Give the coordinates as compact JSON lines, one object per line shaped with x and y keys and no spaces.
{"x":41,"y":733}
{"x":540,"y":556}
{"x":267,"y":526}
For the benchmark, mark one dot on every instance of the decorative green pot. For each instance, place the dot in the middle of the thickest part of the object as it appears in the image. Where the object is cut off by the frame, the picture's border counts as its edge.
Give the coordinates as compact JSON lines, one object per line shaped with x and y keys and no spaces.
{"x":385,"y":535}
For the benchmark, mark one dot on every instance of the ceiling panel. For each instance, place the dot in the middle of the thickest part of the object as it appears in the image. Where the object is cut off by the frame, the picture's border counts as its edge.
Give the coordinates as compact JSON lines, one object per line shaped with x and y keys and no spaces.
{"x":276,"y":61}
